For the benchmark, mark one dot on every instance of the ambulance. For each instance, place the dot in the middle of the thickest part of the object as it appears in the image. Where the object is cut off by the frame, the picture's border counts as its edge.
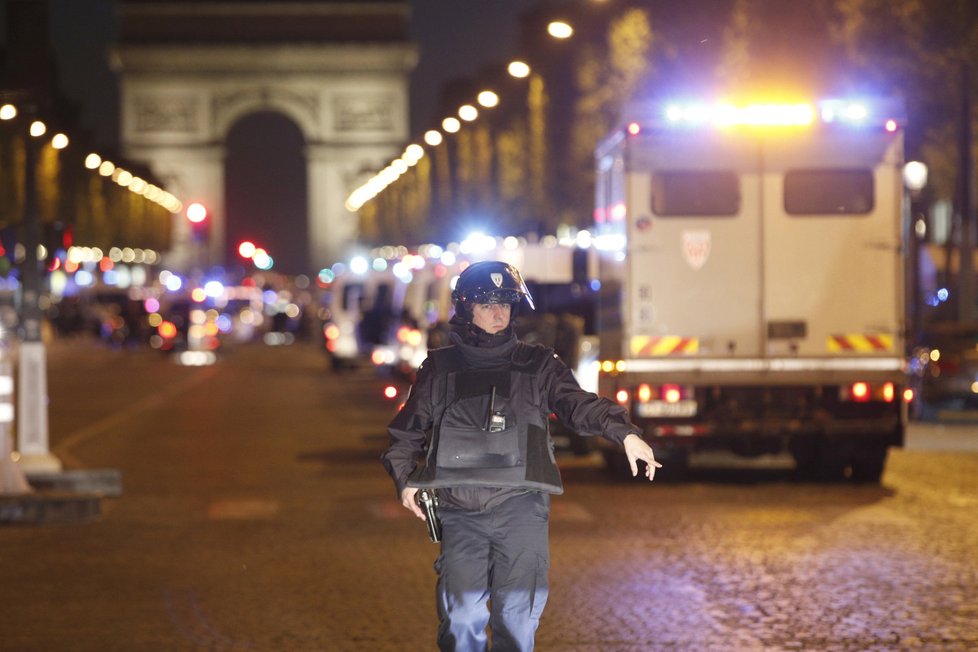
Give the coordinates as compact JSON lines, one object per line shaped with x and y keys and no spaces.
{"x":752,"y":277}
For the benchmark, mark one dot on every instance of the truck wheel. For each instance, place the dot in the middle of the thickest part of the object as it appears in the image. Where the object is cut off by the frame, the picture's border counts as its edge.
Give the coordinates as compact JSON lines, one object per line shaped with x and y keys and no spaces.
{"x":868,"y":463}
{"x":831,"y":467}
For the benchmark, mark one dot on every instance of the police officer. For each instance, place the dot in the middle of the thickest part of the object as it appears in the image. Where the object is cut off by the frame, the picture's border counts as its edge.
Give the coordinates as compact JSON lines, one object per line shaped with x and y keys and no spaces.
{"x":474,"y":429}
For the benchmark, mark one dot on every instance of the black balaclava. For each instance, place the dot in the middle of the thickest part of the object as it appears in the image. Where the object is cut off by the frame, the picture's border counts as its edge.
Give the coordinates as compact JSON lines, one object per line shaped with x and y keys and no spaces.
{"x":472,"y":336}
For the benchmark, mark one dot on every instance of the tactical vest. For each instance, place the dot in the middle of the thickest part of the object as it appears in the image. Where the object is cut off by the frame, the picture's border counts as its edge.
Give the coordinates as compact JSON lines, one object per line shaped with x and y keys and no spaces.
{"x":490,"y":425}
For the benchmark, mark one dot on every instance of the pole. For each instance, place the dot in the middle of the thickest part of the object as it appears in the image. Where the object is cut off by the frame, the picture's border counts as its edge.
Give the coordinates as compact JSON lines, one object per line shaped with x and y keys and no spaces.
{"x":32,"y":427}
{"x":967,"y":306}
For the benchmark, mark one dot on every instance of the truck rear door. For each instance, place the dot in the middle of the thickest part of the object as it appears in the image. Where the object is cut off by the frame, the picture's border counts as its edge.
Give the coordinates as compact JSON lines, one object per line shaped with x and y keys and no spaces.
{"x":694,"y":245}
{"x":832,"y":279}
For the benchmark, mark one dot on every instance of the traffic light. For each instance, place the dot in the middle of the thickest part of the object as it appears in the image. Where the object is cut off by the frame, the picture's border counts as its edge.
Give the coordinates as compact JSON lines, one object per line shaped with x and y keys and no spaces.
{"x":197,"y":216}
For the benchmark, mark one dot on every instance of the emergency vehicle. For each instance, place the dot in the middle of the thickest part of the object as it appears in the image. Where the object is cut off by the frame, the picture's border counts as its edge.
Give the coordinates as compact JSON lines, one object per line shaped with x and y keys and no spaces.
{"x":752,"y":281}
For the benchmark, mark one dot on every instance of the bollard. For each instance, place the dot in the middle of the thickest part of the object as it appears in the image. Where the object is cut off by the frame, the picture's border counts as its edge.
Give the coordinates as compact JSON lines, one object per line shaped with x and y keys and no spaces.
{"x":12,"y":478}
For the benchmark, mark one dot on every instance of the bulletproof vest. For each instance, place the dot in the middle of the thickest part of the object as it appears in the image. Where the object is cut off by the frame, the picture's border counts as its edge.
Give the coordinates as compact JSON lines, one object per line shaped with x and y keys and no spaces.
{"x":491,"y":425}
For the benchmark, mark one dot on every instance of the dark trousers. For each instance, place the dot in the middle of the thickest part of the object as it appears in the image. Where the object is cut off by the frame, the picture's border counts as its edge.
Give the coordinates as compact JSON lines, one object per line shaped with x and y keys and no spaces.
{"x":493,"y":571}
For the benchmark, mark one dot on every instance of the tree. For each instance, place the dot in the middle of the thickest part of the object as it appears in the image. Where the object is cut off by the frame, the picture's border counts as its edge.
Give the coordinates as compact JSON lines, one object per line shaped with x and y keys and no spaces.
{"x":917,"y":48}
{"x":608,"y":75}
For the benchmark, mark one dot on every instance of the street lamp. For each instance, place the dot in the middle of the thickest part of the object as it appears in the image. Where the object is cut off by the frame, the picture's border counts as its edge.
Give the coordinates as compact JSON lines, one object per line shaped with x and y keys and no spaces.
{"x":560,"y":29}
{"x":914,"y":180}
{"x":518,"y":69}
{"x":488,"y":99}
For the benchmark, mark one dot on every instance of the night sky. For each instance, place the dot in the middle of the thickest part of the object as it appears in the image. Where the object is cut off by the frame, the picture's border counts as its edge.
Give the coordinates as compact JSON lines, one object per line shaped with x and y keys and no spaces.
{"x":456,"y":38}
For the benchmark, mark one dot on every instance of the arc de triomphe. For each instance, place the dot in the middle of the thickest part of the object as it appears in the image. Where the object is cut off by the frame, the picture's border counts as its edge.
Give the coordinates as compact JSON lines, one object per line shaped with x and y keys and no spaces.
{"x":190,"y":69}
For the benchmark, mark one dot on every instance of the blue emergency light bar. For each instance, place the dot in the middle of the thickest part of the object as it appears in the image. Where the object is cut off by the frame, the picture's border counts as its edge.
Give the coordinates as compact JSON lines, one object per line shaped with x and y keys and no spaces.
{"x":886,"y":113}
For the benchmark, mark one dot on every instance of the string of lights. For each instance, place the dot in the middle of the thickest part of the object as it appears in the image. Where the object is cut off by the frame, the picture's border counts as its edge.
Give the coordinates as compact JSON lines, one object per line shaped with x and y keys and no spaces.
{"x":104,"y":167}
{"x":467,"y":113}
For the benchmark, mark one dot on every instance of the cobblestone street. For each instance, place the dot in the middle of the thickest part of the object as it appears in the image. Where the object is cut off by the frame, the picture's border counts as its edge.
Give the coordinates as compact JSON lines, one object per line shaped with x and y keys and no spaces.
{"x":256,"y":516}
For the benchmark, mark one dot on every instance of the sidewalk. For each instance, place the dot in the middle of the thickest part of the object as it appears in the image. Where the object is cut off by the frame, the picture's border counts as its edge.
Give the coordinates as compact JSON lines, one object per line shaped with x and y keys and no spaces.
{"x":946,"y":437}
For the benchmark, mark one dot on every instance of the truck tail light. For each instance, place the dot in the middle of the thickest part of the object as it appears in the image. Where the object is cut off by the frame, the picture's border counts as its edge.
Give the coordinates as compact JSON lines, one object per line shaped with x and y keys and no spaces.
{"x":863,"y":392}
{"x":859,"y":392}
{"x":908,"y":395}
{"x":644,"y":393}
{"x":888,"y":392}
{"x":671,"y":393}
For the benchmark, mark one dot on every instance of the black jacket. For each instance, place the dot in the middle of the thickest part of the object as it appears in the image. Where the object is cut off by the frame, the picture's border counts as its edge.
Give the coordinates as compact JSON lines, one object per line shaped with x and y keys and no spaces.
{"x":412,"y":430}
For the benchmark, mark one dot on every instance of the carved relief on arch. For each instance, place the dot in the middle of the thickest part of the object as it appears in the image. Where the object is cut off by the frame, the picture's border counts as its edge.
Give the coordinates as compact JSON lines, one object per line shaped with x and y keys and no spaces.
{"x":302,"y":107}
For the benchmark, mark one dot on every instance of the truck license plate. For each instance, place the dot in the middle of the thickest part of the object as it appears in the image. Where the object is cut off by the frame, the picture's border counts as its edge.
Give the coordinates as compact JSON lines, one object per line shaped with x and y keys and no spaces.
{"x":658,"y":409}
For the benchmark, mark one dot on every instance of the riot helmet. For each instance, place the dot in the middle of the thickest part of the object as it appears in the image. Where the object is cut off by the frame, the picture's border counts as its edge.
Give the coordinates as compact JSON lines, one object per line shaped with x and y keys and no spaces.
{"x":490,"y":281}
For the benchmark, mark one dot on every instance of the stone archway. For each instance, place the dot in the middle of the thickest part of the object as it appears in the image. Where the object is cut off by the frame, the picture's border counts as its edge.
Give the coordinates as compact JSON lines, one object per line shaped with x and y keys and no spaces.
{"x":266,"y":197}
{"x":189,"y":70}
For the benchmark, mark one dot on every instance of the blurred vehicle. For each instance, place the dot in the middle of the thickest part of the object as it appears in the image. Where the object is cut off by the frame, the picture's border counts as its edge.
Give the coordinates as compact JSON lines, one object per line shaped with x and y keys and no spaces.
{"x":948,"y":362}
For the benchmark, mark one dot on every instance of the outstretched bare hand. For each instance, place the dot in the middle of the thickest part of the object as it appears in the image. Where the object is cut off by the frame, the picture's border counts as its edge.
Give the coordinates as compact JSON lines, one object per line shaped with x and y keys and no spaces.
{"x":637,"y":449}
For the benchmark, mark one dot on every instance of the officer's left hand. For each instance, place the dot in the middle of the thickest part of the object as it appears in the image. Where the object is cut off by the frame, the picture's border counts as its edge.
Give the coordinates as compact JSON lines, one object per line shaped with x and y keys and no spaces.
{"x":637,"y":449}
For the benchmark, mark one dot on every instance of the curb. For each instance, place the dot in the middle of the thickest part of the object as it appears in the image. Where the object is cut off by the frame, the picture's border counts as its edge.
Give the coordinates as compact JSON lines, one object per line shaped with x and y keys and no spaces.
{"x":61,"y":497}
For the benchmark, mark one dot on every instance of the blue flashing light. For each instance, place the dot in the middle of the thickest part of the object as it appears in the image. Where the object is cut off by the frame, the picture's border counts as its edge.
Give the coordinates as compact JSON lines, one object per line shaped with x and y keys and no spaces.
{"x":882,"y":112}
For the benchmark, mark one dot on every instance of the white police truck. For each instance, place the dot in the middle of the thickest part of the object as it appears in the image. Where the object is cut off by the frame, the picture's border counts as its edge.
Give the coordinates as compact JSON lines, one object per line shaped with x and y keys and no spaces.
{"x":752,"y":281}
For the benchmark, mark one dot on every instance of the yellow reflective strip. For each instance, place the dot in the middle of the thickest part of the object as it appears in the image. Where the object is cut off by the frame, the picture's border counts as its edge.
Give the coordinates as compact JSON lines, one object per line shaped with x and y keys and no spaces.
{"x":859,"y":343}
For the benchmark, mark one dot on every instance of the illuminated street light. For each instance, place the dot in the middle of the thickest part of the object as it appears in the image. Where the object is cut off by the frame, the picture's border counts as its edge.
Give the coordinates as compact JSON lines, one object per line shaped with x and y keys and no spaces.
{"x":915,"y":175}
{"x":518,"y":69}
{"x":38,"y":128}
{"x":8,"y":112}
{"x":451,"y":125}
{"x":468,"y":112}
{"x":488,"y":99}
{"x":560,"y":29}
{"x":59,"y":141}
{"x":92,"y":161}
{"x":412,"y":154}
{"x":433,"y":137}
{"x":106,"y":168}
